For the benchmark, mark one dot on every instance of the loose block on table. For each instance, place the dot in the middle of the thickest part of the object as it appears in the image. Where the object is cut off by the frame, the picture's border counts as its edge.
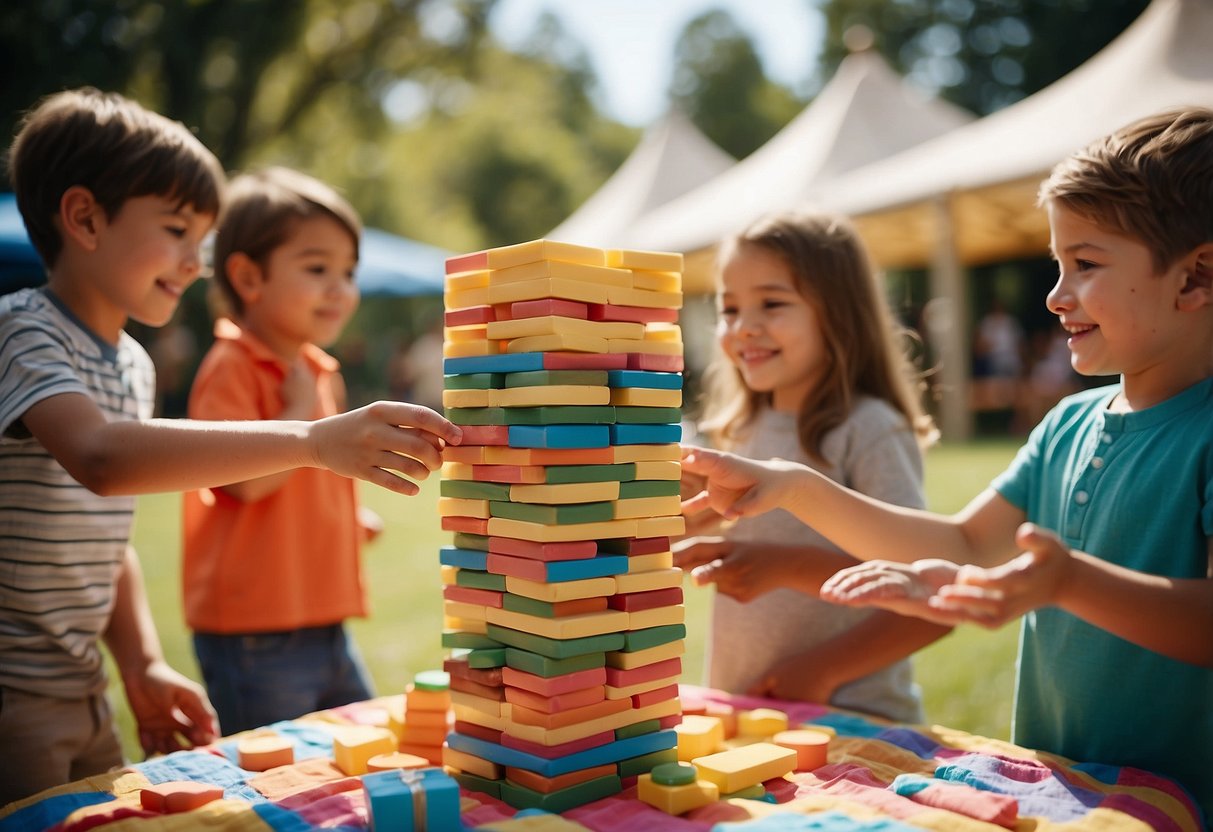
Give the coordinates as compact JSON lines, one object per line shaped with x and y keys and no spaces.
{"x":676,"y":800}
{"x":761,"y":722}
{"x":261,"y":752}
{"x":699,"y":736}
{"x":738,"y":768}
{"x":812,"y":747}
{"x":504,"y":257}
{"x":412,"y":800}
{"x":353,"y":746}
{"x":179,"y":796}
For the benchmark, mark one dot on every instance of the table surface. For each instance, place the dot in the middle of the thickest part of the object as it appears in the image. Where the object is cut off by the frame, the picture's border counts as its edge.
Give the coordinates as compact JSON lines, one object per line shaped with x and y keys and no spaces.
{"x":869,"y":783}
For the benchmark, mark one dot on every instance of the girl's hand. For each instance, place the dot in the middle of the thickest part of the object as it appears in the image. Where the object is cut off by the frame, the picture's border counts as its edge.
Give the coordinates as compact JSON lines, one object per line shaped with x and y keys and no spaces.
{"x":703,"y":522}
{"x":742,"y":571}
{"x":906,"y":589}
{"x":735,"y":486}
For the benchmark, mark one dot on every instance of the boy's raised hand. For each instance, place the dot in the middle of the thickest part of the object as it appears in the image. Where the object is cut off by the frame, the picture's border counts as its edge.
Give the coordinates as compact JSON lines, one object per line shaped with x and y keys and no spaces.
{"x":388,"y":443}
{"x":733,"y":485}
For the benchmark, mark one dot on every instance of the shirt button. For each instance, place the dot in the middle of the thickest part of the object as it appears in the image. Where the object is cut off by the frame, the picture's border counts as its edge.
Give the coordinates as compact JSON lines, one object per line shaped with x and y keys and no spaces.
{"x":1097,"y":462}
{"x":1081,"y":498}
{"x":1105,"y":437}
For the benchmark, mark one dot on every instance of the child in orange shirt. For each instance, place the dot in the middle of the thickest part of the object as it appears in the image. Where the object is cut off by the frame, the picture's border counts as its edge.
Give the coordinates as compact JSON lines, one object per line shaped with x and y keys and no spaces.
{"x":272,"y":566}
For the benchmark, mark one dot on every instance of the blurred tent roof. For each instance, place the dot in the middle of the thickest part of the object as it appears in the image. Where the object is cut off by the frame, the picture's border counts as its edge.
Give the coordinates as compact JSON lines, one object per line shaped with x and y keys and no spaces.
{"x":990,"y":169}
{"x":672,"y":157}
{"x":865,"y":112}
{"x":20,"y":265}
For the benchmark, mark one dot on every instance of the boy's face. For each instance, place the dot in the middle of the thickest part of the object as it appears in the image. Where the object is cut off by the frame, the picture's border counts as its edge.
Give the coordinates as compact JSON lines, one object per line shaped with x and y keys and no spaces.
{"x":306,"y":293}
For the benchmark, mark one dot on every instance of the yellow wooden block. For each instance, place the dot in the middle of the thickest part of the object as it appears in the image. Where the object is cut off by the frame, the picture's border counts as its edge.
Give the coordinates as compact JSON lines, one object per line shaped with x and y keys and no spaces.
{"x":467,"y":398}
{"x":460,"y":507}
{"x":548,"y":287}
{"x":457,"y":471}
{"x":698,"y":736}
{"x":676,"y":800}
{"x":542,"y":533}
{"x":448,"y":574}
{"x":395,"y":716}
{"x":472,"y":764}
{"x":650,"y":655}
{"x":470,"y":349}
{"x":660,"y":527}
{"x":475,"y":332}
{"x":354,"y":745}
{"x":558,"y":343}
{"x":559,"y":325}
{"x":648,"y":507}
{"x":562,"y":590}
{"x":646,"y":581}
{"x":650,"y":562}
{"x":464,"y":611}
{"x":632,"y":397}
{"x":467,"y":280}
{"x":646,"y":346}
{"x":464,"y":625}
{"x":639,"y":297}
{"x":421,"y":699}
{"x":397,"y":760}
{"x":465,"y":454}
{"x":561,"y":627}
{"x":650,"y":470}
{"x":761,"y":722}
{"x":738,"y":768}
{"x":565,"y":493}
{"x":647,"y":453}
{"x":542,"y":395}
{"x":263,"y":751}
{"x":656,"y":281}
{"x":662,"y":261}
{"x":464,"y":298}
{"x":661,"y":331}
{"x":562,"y":270}
{"x":503,"y":257}
{"x":640,"y":687}
{"x":470,"y":701}
{"x":542,"y":822}
{"x":463,"y":713}
{"x":569,"y":733}
{"x":657,"y":617}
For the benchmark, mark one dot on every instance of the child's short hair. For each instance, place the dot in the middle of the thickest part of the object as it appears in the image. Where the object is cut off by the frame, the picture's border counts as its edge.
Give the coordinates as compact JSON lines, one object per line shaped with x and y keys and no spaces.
{"x":114,"y":147}
{"x":1151,"y":180}
{"x":260,"y":212}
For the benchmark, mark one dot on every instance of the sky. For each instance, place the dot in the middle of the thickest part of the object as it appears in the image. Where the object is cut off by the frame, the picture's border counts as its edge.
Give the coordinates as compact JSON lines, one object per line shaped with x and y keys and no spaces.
{"x":631,"y":42}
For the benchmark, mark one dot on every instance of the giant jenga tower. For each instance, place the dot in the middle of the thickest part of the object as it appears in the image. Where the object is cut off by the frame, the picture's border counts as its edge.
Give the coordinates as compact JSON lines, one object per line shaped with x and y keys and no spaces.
{"x":562,"y":609}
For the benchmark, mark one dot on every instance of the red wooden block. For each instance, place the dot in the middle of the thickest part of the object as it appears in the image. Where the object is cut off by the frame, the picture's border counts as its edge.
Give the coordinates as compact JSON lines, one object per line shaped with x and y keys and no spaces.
{"x":548,"y":306}
{"x":535,"y":550}
{"x":474,"y":262}
{"x":619,"y":678}
{"x":469,"y":315}
{"x":472,"y":595}
{"x":178,"y":796}
{"x":510,"y":566}
{"x":551,"y":685}
{"x":557,"y":703}
{"x":547,"y":785}
{"x":485,"y":434}
{"x":656,"y":363}
{"x":492,"y":693}
{"x":471,"y":525}
{"x":637,"y":314}
{"x":584,"y":361}
{"x":668,"y":722}
{"x":471,"y":729}
{"x":652,"y":697}
{"x":641,"y":545}
{"x":491,"y":676}
{"x":529,"y":474}
{"x":636,"y":601}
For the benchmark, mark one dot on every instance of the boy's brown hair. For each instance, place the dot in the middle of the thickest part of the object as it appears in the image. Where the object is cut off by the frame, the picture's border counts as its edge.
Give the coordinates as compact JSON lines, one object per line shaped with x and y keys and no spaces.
{"x":111,"y":145}
{"x":260,"y":212}
{"x":1151,"y":180}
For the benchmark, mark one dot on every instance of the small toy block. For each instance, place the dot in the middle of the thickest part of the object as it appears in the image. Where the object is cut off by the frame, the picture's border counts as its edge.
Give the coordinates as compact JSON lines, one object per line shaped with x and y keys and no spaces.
{"x":552,"y":515}
{"x":560,"y":736}
{"x":521,"y":474}
{"x":465,"y":334}
{"x":562,"y":474}
{"x":661,"y":331}
{"x":657,"y":281}
{"x":648,"y":726}
{"x":658,"y":617}
{"x":676,"y":799}
{"x":261,"y":752}
{"x":812,"y":747}
{"x":504,"y":363}
{"x":470,"y":596}
{"x":470,"y":315}
{"x":559,"y":571}
{"x":639,"y":434}
{"x":496,"y":693}
{"x":472,"y":579}
{"x":395,"y":716}
{"x":549,"y":668}
{"x":563,"y":591}
{"x":461,"y":667}
{"x":472,"y":525}
{"x":436,"y":719}
{"x":556,"y":325}
{"x":551,"y":343}
{"x":658,"y":470}
{"x":755,"y":792}
{"x":646,"y":507}
{"x":412,"y":800}
{"x":653,"y":636}
{"x":470,"y":490}
{"x":620,"y":677}
{"x":505,"y":256}
{"x":465,"y":703}
{"x":547,"y":785}
{"x":674,"y":774}
{"x":181,"y":796}
{"x":425,"y":699}
{"x":635,"y":545}
{"x":423,"y":736}
{"x":669,"y":692}
{"x":489,"y":724}
{"x":467,"y":280}
{"x":466,"y":398}
{"x":463,"y":558}
{"x":555,"y":648}
{"x":551,"y":752}
{"x":544,"y":609}
{"x":354,"y":745}
{"x":644,"y":581}
{"x":563,"y":799}
{"x":560,"y":270}
{"x":727,"y":715}
{"x":475,"y":416}
{"x":558,"y":414}
{"x":464,"y":454}
{"x":583,"y":361}
{"x":478,"y":784}
{"x":464,"y":298}
{"x":474,"y":381}
{"x":470,"y":349}
{"x":563,"y":436}
{"x":486,"y":434}
{"x":648,"y":415}
{"x":466,"y":618}
{"x":738,"y":768}
{"x":643,"y":347}
{"x":395,"y":760}
{"x":761,"y":722}
{"x":637,"y":601}
{"x":548,"y":306}
{"x":649,"y":563}
{"x":630,"y":397}
{"x":566,"y":627}
{"x":544,"y":287}
{"x":631,"y":314}
{"x":570,"y":550}
{"x":471,"y":729}
{"x":627,"y":296}
{"x":547,"y":396}
{"x":537,"y":378}
{"x":487,"y":659}
{"x":579,"y":492}
{"x":645,"y":763}
{"x":656,"y":363}
{"x":471,"y":764}
{"x":556,"y":702}
{"x":600,"y":755}
{"x":664,"y":261}
{"x":647,"y":380}
{"x":452,"y":638}
{"x":661,"y":526}
{"x":505,"y":527}
{"x":554,"y":686}
{"x":546,"y":456}
{"x":667,"y":688}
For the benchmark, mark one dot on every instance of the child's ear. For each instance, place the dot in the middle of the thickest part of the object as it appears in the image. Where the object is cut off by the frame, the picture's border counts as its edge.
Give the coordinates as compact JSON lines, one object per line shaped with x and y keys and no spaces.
{"x":80,"y":217}
{"x":1197,"y":290}
{"x":244,"y":274}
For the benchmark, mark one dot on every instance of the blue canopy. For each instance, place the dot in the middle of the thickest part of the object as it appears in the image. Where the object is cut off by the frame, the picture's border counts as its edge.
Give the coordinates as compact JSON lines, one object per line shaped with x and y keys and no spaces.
{"x":390,"y":266}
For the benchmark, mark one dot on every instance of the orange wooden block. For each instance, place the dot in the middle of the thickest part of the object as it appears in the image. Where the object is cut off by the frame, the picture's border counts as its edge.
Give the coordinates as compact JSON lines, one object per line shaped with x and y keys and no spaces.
{"x":178,"y":796}
{"x":433,"y":753}
{"x":812,"y":747}
{"x":425,"y":700}
{"x":264,"y":751}
{"x":547,"y":785}
{"x":573,"y":716}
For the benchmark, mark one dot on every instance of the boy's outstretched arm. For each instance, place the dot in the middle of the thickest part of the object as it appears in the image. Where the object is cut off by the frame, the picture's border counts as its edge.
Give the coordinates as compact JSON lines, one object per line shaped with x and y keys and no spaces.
{"x":167,"y":706}
{"x":867,"y":529}
{"x":387,"y":443}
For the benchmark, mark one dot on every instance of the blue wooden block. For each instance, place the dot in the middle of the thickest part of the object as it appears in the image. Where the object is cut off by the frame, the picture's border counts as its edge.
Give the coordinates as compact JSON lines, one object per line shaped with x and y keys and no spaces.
{"x":644,"y":378}
{"x":463,"y":558}
{"x":595,"y":567}
{"x":517,"y":362}
{"x":396,"y":798}
{"x":600,"y":755}
{"x":562,"y":436}
{"x":641,"y":434}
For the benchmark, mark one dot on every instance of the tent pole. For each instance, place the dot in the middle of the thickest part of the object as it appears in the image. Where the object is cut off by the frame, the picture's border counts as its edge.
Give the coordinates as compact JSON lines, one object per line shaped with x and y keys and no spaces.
{"x":949,"y":331}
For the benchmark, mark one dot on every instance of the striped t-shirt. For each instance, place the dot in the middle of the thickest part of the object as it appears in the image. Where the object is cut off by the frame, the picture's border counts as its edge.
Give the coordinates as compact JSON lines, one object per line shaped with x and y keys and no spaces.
{"x":61,"y":545}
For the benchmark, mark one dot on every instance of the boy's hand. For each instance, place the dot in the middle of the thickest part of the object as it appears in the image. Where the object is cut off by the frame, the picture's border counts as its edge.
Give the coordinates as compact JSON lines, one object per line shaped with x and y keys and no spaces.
{"x":383,"y":443}
{"x":167,"y":707}
{"x":734,"y":486}
{"x":906,"y":589}
{"x":742,"y":571}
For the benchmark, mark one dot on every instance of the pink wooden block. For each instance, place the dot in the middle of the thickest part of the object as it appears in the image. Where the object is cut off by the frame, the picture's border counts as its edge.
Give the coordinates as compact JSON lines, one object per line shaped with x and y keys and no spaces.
{"x":619,"y":678}
{"x":469,"y":315}
{"x":485,"y":434}
{"x":510,"y":566}
{"x":668,"y":722}
{"x":178,"y":796}
{"x":652,"y":697}
{"x":656,"y":363}
{"x":646,"y":545}
{"x":472,"y":595}
{"x":524,"y":474}
{"x":534,"y":550}
{"x":637,"y":601}
{"x":638,"y":314}
{"x":552,"y":685}
{"x":584,"y":361}
{"x":548,"y":306}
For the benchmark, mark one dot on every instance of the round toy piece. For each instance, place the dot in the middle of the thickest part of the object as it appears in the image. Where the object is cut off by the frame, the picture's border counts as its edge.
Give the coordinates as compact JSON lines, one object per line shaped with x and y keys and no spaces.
{"x":674,"y":774}
{"x":811,"y":747}
{"x":432,"y":680}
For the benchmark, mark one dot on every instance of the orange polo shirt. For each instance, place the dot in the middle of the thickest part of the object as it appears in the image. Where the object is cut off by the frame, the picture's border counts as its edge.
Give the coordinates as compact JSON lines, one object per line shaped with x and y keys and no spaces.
{"x":290,"y":559}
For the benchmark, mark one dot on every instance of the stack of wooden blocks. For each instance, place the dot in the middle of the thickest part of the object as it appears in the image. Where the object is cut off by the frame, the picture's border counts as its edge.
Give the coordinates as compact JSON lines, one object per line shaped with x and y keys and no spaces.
{"x":562,"y":611}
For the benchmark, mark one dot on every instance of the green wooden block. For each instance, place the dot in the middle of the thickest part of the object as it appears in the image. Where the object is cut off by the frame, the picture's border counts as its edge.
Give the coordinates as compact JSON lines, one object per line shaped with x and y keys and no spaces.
{"x":557,"y":474}
{"x":648,"y":415}
{"x":571,"y":414}
{"x":480,"y":580}
{"x":543,"y":378}
{"x":475,"y":415}
{"x":638,"y":728}
{"x":472,"y":641}
{"x":555,"y":648}
{"x":530,"y":606}
{"x":648,"y":488}
{"x":473,"y":381}
{"x":467,"y":540}
{"x":561,"y":800}
{"x":674,"y":774}
{"x":432,"y":680}
{"x":476,"y":783}
{"x":645,"y":763}
{"x":546,"y":667}
{"x":634,"y":640}
{"x":554,"y":515}
{"x":487,"y":657}
{"x":472,"y":490}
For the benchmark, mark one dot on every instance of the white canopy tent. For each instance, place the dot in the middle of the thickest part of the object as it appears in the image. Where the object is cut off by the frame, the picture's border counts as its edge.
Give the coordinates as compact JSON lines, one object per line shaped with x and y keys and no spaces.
{"x":672,"y":157}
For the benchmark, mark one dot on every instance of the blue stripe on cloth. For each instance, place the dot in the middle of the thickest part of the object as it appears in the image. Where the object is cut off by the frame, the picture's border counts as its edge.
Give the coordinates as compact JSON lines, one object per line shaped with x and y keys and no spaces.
{"x":201,"y":768}
{"x":50,"y":811}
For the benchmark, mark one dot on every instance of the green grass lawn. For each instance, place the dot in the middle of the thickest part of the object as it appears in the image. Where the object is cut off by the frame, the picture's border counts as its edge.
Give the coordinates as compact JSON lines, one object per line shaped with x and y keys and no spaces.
{"x":966,"y":677}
